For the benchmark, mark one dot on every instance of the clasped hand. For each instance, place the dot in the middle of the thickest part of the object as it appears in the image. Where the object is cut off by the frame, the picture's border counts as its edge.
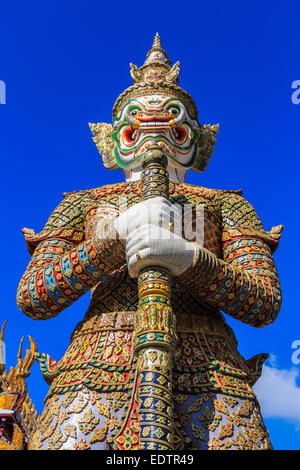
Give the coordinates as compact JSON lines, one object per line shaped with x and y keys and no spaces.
{"x":152,"y":230}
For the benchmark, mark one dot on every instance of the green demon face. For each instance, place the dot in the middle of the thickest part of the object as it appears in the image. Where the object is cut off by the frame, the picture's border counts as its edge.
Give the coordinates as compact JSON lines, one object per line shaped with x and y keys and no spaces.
{"x":155,"y":118}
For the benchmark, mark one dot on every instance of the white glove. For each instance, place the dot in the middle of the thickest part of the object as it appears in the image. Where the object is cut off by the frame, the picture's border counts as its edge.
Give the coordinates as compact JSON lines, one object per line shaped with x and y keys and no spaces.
{"x":156,"y":211}
{"x":150,"y":245}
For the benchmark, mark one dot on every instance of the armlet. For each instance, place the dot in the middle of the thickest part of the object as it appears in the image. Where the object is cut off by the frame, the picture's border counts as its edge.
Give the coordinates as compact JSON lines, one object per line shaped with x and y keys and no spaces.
{"x":271,"y":238}
{"x":69,"y":234}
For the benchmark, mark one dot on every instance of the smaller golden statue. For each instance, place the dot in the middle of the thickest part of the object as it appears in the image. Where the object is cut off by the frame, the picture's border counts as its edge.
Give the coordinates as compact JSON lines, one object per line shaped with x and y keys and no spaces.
{"x":18,"y":416}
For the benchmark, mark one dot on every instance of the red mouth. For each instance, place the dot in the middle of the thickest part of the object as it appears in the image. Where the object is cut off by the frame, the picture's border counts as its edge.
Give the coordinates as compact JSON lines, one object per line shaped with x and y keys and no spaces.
{"x":182,"y":134}
{"x":128,"y":135}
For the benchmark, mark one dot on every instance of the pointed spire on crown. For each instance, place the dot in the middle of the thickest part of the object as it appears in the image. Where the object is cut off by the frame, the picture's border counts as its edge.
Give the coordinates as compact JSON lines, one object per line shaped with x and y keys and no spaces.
{"x":156,"y":69}
{"x":157,"y":53}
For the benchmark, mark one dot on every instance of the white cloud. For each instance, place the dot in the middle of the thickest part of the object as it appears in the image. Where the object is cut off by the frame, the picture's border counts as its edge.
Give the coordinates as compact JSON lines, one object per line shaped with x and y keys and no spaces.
{"x":278,"y":393}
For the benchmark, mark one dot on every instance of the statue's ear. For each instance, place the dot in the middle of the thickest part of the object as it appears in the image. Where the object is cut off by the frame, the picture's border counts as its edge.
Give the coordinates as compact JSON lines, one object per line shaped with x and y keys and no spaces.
{"x":102,"y":136}
{"x":206,"y":142}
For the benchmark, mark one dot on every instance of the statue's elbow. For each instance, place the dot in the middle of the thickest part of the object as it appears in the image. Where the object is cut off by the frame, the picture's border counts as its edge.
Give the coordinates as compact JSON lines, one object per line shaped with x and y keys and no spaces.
{"x":30,"y":306}
{"x":271,"y":310}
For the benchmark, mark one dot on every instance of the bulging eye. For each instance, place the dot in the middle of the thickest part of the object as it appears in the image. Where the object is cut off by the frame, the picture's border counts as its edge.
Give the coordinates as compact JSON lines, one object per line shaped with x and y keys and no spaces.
{"x":133,"y":112}
{"x":174,"y":111}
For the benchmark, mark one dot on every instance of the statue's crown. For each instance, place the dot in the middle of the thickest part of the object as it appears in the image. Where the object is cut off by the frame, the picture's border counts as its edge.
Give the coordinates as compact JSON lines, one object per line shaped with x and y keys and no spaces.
{"x":156,"y":75}
{"x":156,"y":69}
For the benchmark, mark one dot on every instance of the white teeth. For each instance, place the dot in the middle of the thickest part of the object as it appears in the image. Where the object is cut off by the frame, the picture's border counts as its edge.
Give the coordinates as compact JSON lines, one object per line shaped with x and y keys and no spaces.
{"x":154,"y":124}
{"x":134,"y":134}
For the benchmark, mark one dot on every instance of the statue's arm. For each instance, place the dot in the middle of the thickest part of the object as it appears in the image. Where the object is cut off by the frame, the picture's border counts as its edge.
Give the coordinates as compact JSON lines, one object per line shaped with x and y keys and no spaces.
{"x":245,"y":282}
{"x":65,"y":265}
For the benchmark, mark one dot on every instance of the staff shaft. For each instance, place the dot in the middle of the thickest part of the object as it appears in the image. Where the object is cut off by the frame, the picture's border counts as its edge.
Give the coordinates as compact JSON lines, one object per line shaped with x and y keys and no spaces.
{"x":155,"y":334}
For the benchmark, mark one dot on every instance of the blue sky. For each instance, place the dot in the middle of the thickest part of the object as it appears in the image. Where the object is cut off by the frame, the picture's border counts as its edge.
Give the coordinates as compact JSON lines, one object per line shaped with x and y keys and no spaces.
{"x":64,"y":64}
